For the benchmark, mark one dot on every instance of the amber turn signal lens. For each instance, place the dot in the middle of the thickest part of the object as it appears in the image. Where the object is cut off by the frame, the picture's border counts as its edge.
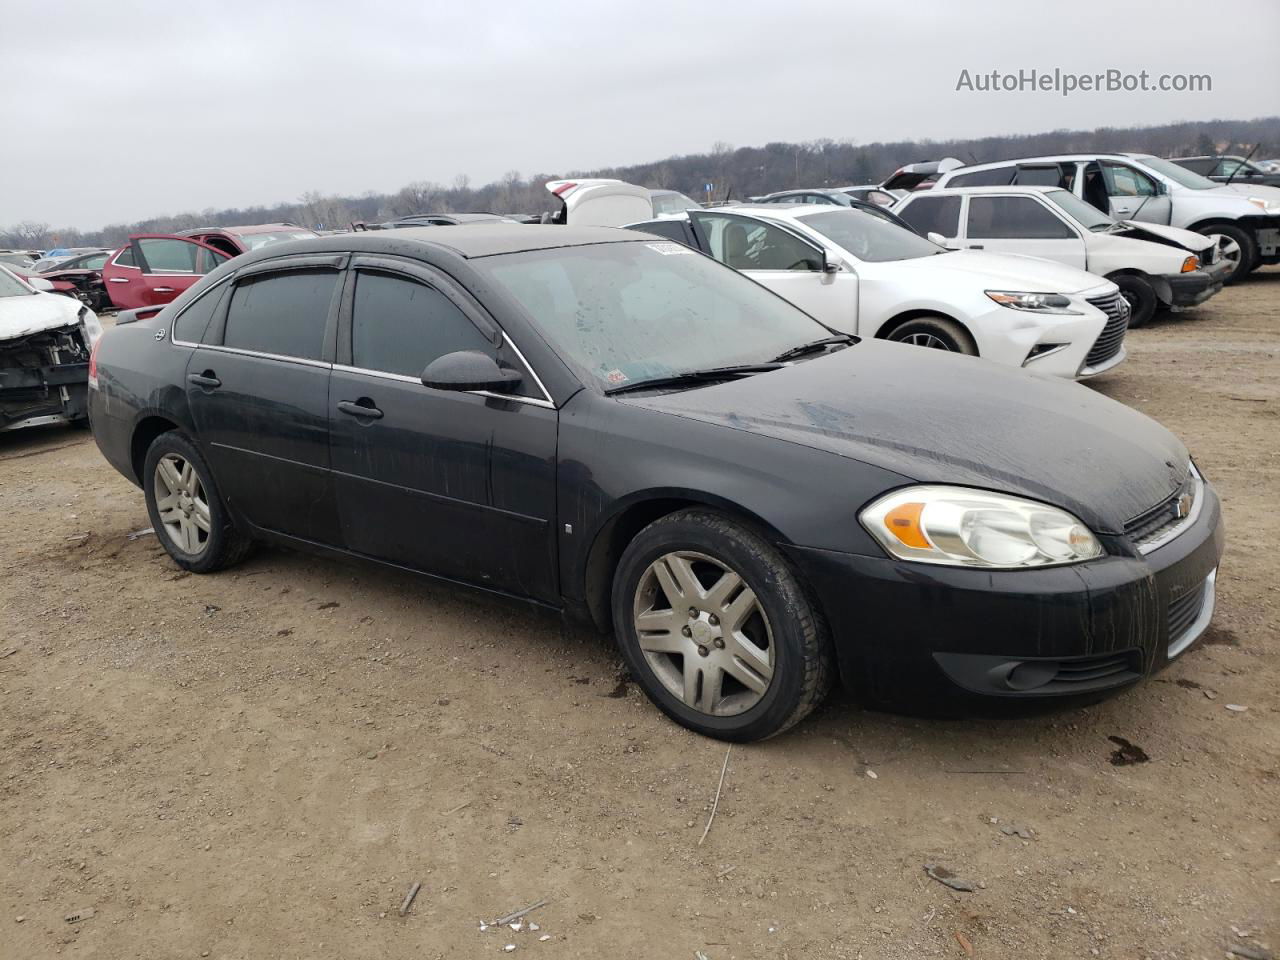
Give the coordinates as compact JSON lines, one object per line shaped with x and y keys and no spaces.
{"x":903,"y":521}
{"x":1190,"y":264}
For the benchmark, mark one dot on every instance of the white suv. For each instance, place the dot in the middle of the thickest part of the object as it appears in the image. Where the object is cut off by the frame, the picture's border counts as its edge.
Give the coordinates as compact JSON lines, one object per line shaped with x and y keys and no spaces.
{"x":1155,"y":266}
{"x":1137,"y":186}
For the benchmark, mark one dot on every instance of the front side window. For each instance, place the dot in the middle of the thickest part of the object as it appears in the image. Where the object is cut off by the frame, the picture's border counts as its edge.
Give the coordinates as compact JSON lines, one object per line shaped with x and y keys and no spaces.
{"x":751,"y":245}
{"x":169,"y":256}
{"x":625,"y":312}
{"x":282,"y":313}
{"x":870,"y":237}
{"x":939,"y":215}
{"x":1123,"y":181}
{"x":1014,"y":218}
{"x":399,"y":325}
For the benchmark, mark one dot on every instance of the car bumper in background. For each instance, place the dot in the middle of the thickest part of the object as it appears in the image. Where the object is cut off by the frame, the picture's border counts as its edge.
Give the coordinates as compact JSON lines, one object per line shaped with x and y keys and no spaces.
{"x":44,"y":379}
{"x":1191,"y":289}
{"x":934,"y":639}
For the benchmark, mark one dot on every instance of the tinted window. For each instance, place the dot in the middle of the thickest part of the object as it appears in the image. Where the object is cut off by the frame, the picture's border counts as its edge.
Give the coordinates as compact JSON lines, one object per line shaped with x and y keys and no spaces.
{"x":933,"y":214}
{"x":1014,"y":218}
{"x":999,"y":177}
{"x":1039,"y":177}
{"x":171,"y":256}
{"x":126,"y":258}
{"x":751,"y":245}
{"x":399,"y":325}
{"x":1203,"y":167}
{"x":677,"y":230}
{"x":191,"y":324}
{"x":282,"y":313}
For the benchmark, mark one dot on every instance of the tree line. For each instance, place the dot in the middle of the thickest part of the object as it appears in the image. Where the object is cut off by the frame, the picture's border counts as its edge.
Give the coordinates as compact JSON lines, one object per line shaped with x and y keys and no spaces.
{"x":733,"y":173}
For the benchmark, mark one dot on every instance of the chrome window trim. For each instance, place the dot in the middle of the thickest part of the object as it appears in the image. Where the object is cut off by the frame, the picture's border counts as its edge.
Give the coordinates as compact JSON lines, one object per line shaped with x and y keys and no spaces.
{"x":304,"y":361}
{"x":1201,"y":623}
{"x":1180,"y":528}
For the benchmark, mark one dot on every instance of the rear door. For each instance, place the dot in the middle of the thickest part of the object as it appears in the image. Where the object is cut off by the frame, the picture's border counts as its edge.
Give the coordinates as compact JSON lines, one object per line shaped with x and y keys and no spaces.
{"x":258,"y":390}
{"x":784,"y":261}
{"x":152,"y":269}
{"x":456,"y":484}
{"x":1022,"y":225}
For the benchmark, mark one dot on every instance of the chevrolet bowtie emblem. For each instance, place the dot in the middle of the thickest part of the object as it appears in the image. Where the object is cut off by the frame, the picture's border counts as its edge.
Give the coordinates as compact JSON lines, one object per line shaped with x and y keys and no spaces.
{"x":1183,"y":506}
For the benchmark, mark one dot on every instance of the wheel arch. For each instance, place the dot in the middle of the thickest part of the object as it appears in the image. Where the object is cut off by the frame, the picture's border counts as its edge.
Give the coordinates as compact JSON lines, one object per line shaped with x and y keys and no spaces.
{"x":632,"y":515}
{"x":898,"y":319}
{"x":145,"y":431}
{"x":1160,"y":286}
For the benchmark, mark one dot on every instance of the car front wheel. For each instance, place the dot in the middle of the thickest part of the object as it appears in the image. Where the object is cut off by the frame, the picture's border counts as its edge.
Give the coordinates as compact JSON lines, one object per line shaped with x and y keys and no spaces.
{"x":186,"y":512}
{"x":717,"y":628}
{"x":937,"y":333}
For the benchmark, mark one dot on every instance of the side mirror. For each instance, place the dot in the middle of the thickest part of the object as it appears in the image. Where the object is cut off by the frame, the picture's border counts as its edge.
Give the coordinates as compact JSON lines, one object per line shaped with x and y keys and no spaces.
{"x":40,"y":283}
{"x":934,"y":237}
{"x":830,"y":265}
{"x":1162,"y":188}
{"x":468,"y":370}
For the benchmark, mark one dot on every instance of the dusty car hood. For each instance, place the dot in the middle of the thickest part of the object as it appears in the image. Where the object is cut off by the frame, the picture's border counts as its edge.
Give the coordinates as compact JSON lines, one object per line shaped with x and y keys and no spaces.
{"x":941,"y":418}
{"x":1187,"y":239}
{"x":24,"y":315}
{"x":1005,"y":271}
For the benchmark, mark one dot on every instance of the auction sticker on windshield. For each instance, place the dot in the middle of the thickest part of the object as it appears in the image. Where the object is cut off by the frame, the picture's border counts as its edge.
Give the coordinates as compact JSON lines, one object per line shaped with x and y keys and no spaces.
{"x":667,"y":248}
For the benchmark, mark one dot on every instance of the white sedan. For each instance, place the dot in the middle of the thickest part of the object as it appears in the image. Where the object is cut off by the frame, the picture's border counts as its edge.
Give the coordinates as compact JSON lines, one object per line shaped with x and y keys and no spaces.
{"x":45,"y":346}
{"x":861,"y":272}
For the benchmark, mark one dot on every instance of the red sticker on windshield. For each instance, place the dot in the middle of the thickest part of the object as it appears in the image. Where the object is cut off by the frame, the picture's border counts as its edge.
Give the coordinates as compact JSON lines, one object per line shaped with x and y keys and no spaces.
{"x":616,"y":376}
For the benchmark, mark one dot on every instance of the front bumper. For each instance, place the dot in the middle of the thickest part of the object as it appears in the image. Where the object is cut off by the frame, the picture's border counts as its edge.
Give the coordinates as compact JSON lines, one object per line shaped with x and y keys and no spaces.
{"x":1183,"y":290}
{"x":932,"y":639}
{"x":36,"y":396}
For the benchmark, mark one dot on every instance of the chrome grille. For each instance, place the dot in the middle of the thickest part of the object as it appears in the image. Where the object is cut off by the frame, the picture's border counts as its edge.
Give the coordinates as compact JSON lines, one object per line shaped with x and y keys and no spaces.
{"x":1111,"y":339}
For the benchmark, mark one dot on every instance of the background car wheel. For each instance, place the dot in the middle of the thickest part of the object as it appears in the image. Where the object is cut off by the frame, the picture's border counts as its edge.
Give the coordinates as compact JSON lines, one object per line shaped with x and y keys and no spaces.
{"x":1238,"y":249}
{"x":717,"y":628}
{"x":938,"y":333}
{"x":186,"y":511}
{"x":1141,"y":297}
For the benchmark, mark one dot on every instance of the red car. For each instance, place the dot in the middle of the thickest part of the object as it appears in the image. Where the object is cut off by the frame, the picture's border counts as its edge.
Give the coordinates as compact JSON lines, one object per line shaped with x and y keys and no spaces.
{"x":152,"y":269}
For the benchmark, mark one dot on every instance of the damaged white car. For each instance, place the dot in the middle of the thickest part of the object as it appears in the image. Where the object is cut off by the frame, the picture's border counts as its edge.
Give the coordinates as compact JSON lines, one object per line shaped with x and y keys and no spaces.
{"x":45,"y":345}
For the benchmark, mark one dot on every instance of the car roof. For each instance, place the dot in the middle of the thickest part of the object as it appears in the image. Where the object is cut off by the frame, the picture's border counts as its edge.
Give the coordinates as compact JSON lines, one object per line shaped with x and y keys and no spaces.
{"x":1044,"y":158}
{"x":239,"y":231}
{"x":1010,"y":188}
{"x":470,"y":241}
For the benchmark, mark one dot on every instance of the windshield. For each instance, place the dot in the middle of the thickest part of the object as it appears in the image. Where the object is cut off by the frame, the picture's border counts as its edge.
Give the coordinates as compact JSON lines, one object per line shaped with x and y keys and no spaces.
{"x":673,"y":203}
{"x":17,"y":259}
{"x":253,"y":241}
{"x":1177,"y":174}
{"x":870,"y":238}
{"x":11,"y":286}
{"x":623,"y":313}
{"x":1083,"y":213}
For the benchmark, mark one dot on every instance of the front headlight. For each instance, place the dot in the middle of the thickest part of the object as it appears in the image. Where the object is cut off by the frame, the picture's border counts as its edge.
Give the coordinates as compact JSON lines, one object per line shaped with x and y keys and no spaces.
{"x":961,"y":527}
{"x":1270,"y":206}
{"x":1034,"y":302}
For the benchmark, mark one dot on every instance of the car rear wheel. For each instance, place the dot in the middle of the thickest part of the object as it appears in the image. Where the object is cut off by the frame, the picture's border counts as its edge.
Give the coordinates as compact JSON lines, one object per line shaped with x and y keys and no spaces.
{"x":1238,"y":249}
{"x":937,"y":333}
{"x":1140,"y":296}
{"x":717,"y":628}
{"x":186,"y":512}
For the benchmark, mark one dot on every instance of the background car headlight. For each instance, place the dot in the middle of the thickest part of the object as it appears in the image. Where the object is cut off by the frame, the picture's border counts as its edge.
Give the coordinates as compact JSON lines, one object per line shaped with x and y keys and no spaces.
{"x":973,"y":528}
{"x":1034,"y":302}
{"x":1270,"y":206}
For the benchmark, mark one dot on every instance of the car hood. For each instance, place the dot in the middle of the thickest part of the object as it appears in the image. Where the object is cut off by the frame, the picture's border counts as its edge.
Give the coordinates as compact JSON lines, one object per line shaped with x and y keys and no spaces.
{"x":24,"y":315}
{"x":1259,"y":190}
{"x":1007,"y":271}
{"x":1187,"y":239}
{"x":940,"y":418}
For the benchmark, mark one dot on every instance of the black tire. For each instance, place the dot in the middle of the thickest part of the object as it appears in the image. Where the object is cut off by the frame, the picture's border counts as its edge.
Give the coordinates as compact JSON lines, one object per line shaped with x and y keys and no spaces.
{"x":224,"y":545}
{"x":949,"y":334}
{"x":1141,"y":296}
{"x":801,"y":649}
{"x":1244,"y":240}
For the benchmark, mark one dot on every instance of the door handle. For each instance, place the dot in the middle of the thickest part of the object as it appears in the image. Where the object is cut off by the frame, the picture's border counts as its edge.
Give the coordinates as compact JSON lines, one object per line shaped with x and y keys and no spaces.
{"x":977,"y":246}
{"x":118,"y":280}
{"x":163,"y":289}
{"x":206,"y":380}
{"x":357,"y":409}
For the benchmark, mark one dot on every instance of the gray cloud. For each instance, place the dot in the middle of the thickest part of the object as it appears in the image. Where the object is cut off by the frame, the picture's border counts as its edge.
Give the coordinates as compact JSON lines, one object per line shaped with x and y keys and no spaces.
{"x":120,"y":111}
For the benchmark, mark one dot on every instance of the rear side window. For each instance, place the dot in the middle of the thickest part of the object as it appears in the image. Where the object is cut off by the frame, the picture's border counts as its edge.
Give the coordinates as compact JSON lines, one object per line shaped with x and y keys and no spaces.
{"x":1014,"y":218}
{"x":399,"y":325}
{"x":677,"y":230}
{"x":125,"y":259}
{"x":933,"y":215}
{"x":1039,"y":176}
{"x":190,"y":325}
{"x":999,"y":177}
{"x":282,"y":313}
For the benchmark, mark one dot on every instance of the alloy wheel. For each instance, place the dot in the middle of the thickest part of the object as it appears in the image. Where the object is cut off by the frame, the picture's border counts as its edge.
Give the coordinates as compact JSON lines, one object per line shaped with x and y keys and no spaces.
{"x":704,"y":633}
{"x":1228,"y":249}
{"x":182,"y":503}
{"x":926,"y":340}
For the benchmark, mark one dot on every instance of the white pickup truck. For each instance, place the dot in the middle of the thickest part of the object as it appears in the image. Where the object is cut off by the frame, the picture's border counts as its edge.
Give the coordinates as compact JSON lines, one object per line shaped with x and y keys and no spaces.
{"x":1137,"y":186}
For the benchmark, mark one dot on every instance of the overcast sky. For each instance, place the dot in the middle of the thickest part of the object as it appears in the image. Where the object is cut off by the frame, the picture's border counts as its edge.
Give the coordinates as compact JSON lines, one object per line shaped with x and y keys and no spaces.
{"x":117,"y":111}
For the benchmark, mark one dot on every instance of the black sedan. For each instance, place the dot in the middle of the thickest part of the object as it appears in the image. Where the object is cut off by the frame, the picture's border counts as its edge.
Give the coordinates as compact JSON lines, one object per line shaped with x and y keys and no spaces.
{"x":612,"y":425}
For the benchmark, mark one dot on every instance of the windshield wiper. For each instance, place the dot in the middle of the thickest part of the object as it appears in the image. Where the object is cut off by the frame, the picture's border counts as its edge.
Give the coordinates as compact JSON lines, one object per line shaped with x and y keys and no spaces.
{"x":690,"y":377}
{"x":804,"y":348}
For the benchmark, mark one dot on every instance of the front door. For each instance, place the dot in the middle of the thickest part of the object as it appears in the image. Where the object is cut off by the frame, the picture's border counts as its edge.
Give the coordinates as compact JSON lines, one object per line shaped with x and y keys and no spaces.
{"x":1022,"y":225}
{"x":152,"y":269}
{"x":788,"y":264}
{"x":456,"y":484}
{"x":258,"y":389}
{"x":1133,"y":195}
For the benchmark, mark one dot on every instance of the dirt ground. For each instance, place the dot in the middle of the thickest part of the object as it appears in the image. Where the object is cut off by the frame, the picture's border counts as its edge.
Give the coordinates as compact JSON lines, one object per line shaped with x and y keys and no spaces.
{"x":260,"y":763}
